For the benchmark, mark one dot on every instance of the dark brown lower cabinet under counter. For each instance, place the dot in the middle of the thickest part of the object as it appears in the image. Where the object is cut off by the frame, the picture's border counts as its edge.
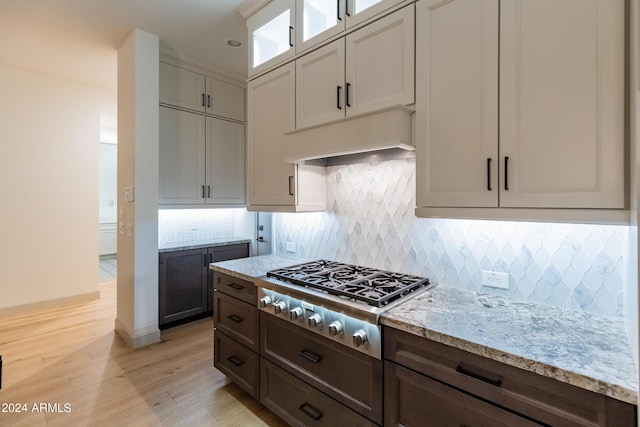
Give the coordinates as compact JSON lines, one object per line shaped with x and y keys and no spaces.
{"x":299,"y":404}
{"x":426,"y":380}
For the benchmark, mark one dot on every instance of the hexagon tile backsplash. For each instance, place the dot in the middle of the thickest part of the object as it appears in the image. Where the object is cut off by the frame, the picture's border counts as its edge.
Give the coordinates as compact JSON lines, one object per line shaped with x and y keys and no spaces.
{"x":370,"y":221}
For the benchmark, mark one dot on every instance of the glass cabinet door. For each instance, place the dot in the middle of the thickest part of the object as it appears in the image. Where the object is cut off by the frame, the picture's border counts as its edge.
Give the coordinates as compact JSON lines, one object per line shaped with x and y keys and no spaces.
{"x":360,"y":10}
{"x":318,"y":20}
{"x":271,"y":35}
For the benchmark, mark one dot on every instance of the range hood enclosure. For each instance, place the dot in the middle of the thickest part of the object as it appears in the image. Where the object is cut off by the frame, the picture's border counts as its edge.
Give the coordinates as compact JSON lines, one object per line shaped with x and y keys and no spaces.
{"x":384,"y":130}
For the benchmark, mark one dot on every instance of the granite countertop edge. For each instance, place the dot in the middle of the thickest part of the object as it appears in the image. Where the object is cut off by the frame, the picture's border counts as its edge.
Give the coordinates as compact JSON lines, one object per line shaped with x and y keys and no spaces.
{"x":612,"y":387}
{"x":252,"y":267}
{"x":202,"y":244}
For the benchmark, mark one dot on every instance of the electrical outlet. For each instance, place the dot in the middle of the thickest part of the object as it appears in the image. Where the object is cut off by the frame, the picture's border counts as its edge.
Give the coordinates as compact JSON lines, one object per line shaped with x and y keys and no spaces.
{"x":495,"y":279}
{"x":291,"y":247}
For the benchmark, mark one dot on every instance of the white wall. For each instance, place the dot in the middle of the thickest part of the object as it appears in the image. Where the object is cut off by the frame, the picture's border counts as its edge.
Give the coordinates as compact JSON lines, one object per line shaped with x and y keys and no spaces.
{"x":49,"y":133}
{"x":138,"y":97}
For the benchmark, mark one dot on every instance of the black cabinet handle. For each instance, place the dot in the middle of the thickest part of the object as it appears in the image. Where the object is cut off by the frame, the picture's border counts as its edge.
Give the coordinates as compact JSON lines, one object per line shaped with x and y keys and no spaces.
{"x":346,"y":96}
{"x":346,"y":3}
{"x":290,"y":36}
{"x":235,"y":286}
{"x":506,"y":173}
{"x":311,"y":356}
{"x":235,"y":360}
{"x":338,"y":98}
{"x":310,"y":411}
{"x":208,"y":191}
{"x":203,"y":99}
{"x":290,"y":185}
{"x":205,"y":260}
{"x":203,"y":191}
{"x":235,"y":318}
{"x":210,"y":257}
{"x":208,"y":101}
{"x":338,"y":10}
{"x":467,"y":372}
{"x":489,"y":173}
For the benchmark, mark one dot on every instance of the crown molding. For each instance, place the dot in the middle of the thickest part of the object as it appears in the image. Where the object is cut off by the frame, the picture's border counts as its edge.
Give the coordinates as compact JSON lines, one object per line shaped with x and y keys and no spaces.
{"x":249,"y":7}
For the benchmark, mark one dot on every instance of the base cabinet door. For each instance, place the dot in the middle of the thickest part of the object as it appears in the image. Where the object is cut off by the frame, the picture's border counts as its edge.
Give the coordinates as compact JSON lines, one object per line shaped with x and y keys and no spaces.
{"x":299,"y":404}
{"x":416,"y":400}
{"x":182,"y":284}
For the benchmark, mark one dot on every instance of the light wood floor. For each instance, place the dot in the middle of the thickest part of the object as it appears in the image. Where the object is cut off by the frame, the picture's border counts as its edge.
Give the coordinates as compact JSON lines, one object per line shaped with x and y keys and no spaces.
{"x":72,"y":356}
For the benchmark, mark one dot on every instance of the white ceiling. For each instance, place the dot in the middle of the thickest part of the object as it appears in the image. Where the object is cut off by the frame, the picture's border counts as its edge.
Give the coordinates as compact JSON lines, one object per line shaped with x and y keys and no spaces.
{"x":78,"y":39}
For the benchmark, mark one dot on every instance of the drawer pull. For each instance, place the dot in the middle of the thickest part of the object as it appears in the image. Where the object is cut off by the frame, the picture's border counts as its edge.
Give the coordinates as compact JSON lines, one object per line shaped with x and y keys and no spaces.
{"x":235,"y":318}
{"x":310,"y":411}
{"x":235,"y":360}
{"x":309,"y":355}
{"x":235,"y":286}
{"x":464,"y":371}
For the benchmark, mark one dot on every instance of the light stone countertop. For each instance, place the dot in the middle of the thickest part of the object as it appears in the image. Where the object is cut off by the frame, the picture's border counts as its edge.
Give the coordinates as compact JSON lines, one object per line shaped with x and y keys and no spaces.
{"x":588,"y":351}
{"x":224,"y":241}
{"x":252,"y":267}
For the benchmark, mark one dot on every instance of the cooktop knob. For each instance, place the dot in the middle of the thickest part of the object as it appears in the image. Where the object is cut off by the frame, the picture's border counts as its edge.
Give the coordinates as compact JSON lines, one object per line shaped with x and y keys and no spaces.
{"x":279,"y":307}
{"x":315,"y":321}
{"x":295,"y":313}
{"x":360,"y":338}
{"x":335,"y":328}
{"x":265,"y":301}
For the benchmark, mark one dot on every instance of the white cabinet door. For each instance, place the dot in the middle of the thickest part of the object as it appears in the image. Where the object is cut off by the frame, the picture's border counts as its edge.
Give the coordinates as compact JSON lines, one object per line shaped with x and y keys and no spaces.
{"x":224,"y":99}
{"x":361,"y":10}
{"x":271,"y":35}
{"x":320,"y":87}
{"x":457,"y":103}
{"x":271,"y":112}
{"x":317,"y":20}
{"x":182,"y":88}
{"x":182,"y":157}
{"x":225,"y":162}
{"x":380,"y":63}
{"x":562,"y":78}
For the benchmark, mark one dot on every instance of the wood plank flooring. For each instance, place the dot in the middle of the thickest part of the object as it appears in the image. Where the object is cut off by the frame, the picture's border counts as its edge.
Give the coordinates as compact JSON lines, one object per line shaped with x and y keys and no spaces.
{"x":71,"y":360}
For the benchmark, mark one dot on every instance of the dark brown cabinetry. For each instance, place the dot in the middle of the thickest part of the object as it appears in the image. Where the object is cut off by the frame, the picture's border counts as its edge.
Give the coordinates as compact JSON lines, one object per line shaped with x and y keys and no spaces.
{"x":185,"y":288}
{"x":236,"y":331}
{"x":452,"y":387}
{"x":348,"y":376}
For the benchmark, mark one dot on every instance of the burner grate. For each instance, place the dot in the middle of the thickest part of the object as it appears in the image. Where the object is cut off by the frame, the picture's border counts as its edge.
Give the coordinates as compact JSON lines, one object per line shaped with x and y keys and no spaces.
{"x":368,"y":285}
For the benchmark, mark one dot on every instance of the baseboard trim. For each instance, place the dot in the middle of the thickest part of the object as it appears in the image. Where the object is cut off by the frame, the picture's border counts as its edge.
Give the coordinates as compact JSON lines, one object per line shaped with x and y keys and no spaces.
{"x":135,"y":342}
{"x":49,"y":304}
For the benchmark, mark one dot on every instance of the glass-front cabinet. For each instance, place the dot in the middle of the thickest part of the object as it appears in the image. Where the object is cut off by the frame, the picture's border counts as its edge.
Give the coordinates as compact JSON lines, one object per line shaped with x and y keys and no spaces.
{"x":284,"y":28}
{"x":271,"y":35}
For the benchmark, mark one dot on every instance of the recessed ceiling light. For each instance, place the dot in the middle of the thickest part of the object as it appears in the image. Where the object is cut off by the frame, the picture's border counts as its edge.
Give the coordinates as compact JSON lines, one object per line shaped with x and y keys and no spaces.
{"x":234,"y":43}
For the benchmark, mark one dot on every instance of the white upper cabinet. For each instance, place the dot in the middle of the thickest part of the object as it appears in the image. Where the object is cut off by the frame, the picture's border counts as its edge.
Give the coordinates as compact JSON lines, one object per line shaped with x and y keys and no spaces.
{"x":273,"y":184}
{"x":320,"y":85}
{"x":187,"y":89}
{"x":357,"y":11}
{"x":380,"y":63}
{"x":562,"y":107}
{"x":225,"y":162}
{"x":457,"y":103}
{"x":317,"y":20}
{"x":271,"y":35}
{"x":520,"y":104}
{"x":368,"y":70}
{"x":201,"y":159}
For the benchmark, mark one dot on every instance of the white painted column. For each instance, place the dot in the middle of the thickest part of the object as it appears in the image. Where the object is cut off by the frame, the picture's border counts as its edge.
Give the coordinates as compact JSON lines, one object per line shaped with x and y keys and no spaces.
{"x":138,"y":87}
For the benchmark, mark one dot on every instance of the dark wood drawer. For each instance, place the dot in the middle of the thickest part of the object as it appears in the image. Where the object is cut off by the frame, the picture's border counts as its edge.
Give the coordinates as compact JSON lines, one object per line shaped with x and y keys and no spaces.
{"x":235,"y":287}
{"x":237,"y":362}
{"x":227,"y":252}
{"x":299,"y":404}
{"x":416,"y":400}
{"x":237,"y":319}
{"x":348,"y":376}
{"x":543,"y":399}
